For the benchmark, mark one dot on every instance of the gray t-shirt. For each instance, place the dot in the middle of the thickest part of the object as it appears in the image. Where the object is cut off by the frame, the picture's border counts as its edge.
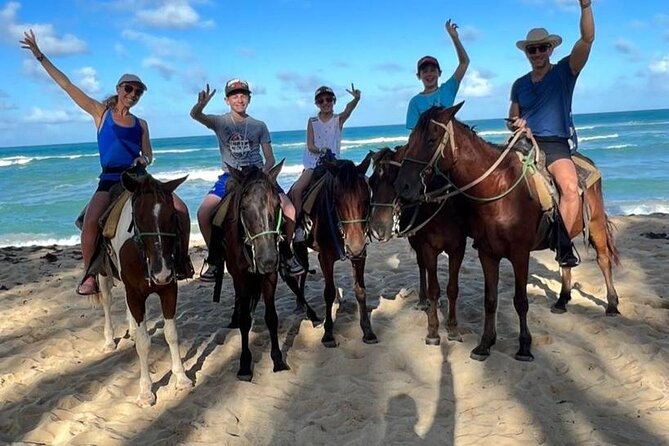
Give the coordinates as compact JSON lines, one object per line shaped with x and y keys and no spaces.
{"x":239,"y":142}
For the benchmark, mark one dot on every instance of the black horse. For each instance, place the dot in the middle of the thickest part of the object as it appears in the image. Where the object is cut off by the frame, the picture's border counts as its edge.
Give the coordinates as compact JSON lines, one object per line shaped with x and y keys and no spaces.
{"x":339,"y":219}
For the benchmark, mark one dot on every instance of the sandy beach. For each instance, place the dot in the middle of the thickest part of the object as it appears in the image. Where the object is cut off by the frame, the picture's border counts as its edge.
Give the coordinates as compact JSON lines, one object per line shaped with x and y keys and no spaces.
{"x":595,"y":380}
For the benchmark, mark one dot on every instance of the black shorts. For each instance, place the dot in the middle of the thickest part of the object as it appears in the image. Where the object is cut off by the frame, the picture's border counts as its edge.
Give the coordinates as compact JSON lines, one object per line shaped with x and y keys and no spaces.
{"x":106,"y":185}
{"x":554,"y":147}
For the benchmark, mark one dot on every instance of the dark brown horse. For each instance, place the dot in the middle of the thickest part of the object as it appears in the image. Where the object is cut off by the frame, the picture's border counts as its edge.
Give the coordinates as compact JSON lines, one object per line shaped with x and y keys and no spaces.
{"x":339,"y":219}
{"x":251,"y":235}
{"x":144,"y":249}
{"x":501,"y":211}
{"x":435,"y":228}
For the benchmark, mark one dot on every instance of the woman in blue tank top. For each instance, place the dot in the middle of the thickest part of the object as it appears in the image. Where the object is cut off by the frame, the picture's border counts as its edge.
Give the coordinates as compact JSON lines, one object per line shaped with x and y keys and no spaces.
{"x":123,"y":142}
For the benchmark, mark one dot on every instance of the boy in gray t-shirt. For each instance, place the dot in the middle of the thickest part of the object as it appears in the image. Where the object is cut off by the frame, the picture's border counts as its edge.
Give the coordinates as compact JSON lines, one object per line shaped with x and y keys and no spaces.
{"x":241,"y":138}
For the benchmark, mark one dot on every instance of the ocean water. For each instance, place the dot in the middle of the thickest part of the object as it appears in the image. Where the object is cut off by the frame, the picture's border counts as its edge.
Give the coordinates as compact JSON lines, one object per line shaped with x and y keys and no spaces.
{"x":43,"y":188}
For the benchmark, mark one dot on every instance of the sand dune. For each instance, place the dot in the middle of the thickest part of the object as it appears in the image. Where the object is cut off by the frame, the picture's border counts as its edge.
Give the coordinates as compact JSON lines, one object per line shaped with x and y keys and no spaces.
{"x":595,"y":380}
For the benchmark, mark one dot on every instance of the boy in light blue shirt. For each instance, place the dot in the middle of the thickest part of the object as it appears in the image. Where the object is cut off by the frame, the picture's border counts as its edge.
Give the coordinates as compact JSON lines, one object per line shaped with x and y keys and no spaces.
{"x":428,"y":72}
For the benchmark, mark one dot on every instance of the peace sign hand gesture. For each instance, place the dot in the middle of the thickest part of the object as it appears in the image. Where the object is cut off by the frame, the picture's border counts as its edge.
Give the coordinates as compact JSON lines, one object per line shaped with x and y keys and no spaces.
{"x":353,"y":92}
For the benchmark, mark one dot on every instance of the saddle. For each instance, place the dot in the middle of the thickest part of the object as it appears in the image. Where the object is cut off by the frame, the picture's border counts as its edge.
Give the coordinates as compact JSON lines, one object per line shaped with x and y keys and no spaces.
{"x":548,"y":196}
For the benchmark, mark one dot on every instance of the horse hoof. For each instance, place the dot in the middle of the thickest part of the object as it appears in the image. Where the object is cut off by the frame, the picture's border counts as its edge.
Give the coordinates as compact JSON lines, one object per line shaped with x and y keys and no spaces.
{"x":529,"y":357}
{"x":281,"y":367}
{"x":421,"y":306}
{"x":432,"y":341}
{"x":183,"y":383}
{"x":145,"y":400}
{"x":330,"y":343}
{"x":455,"y":336}
{"x":612,"y":312}
{"x":558,"y":310}
{"x":370,"y":340}
{"x":109,"y":347}
{"x":479,"y":354}
{"x":245,"y":376}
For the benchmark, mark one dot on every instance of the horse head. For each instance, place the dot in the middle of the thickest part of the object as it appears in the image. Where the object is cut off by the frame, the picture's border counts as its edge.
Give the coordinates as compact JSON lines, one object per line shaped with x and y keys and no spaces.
{"x":351,"y":198}
{"x":259,"y":214}
{"x":155,"y":224}
{"x":384,"y":212}
{"x":428,"y":146}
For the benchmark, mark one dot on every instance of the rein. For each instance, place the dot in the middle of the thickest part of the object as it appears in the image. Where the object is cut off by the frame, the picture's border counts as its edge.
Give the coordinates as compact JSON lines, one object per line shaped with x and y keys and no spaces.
{"x":449,"y":135}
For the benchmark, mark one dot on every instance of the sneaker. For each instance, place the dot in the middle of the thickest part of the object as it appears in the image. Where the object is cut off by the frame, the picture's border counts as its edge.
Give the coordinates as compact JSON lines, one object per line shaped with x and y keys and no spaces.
{"x":210,"y":274}
{"x":299,"y":235}
{"x":294,"y":267}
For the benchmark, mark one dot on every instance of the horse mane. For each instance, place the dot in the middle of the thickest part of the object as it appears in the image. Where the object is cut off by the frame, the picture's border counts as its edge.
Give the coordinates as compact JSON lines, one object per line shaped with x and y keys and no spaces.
{"x":249,"y":175}
{"x":423,"y":125}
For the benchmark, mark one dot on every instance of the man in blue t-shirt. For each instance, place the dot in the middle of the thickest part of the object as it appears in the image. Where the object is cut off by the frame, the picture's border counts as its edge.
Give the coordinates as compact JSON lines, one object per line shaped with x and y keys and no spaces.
{"x":428,"y":72}
{"x":541,"y":102}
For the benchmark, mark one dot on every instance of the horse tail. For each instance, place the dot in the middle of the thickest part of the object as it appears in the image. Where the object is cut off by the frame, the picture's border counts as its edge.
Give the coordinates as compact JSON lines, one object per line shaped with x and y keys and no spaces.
{"x":610,"y":242}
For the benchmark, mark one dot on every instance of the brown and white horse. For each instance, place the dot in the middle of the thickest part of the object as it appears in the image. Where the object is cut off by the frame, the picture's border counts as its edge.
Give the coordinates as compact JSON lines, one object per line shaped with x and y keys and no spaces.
{"x":142,"y":253}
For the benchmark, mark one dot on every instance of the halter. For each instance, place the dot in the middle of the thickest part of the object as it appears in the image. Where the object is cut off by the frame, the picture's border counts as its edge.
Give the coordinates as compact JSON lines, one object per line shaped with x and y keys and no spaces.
{"x":434,"y":196}
{"x":139,"y":235}
{"x":341,"y":222}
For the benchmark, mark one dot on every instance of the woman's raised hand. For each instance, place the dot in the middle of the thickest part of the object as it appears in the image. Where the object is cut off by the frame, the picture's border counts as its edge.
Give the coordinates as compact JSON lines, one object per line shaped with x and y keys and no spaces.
{"x":29,"y":42}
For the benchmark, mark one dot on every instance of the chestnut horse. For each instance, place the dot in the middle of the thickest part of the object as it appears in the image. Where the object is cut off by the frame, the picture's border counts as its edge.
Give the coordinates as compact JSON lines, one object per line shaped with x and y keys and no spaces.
{"x":501,"y":211}
{"x":251,"y":233}
{"x":143,"y":253}
{"x":339,"y":231}
{"x":434,"y":229}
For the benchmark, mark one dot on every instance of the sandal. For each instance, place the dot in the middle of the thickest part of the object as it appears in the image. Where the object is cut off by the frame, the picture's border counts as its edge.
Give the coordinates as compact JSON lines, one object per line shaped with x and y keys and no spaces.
{"x":88,"y":286}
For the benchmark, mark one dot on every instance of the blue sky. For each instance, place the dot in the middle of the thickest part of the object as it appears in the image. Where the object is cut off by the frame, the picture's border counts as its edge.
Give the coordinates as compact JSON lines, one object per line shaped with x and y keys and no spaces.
{"x":287,"y":48}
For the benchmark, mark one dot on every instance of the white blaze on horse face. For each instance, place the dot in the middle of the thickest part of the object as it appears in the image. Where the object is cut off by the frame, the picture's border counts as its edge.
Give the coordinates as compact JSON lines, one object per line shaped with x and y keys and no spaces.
{"x":165,"y":273}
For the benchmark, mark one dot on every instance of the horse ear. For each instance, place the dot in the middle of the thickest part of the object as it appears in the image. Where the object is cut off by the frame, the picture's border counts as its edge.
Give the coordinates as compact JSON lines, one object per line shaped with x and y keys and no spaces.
{"x":454,"y":109}
{"x":274,"y":171}
{"x":376,"y":156}
{"x":129,"y":182}
{"x":171,"y":185}
{"x":236,"y":174}
{"x":364,"y":165}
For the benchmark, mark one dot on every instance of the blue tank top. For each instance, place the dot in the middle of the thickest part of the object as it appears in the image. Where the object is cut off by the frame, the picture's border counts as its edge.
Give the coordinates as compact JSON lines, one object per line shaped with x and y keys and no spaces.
{"x":118,"y":146}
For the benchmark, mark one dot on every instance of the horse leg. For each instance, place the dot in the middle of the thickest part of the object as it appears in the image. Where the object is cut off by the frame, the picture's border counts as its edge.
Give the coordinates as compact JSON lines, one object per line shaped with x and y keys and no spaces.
{"x":105,"y":296}
{"x":423,"y":303}
{"x":243,"y":303}
{"x":136,"y":306}
{"x":368,"y":336}
{"x":168,"y":302}
{"x":455,"y":259}
{"x":272,"y":320}
{"x":560,"y":307}
{"x":520,"y":268}
{"x":329,"y":293}
{"x":490,"y":265}
{"x":602,"y":239}
{"x":429,"y":260}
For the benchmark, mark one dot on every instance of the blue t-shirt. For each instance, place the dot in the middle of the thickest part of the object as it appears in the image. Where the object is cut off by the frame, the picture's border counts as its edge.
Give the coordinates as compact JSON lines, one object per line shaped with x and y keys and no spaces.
{"x":546,"y":105}
{"x":444,"y":96}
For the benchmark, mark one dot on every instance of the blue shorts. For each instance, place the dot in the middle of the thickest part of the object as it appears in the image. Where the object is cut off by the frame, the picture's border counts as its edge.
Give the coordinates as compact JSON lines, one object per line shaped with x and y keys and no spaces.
{"x":220,"y":188}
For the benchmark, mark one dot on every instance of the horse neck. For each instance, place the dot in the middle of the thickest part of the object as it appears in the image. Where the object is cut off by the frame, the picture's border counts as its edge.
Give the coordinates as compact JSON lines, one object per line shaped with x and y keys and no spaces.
{"x":474,"y":156}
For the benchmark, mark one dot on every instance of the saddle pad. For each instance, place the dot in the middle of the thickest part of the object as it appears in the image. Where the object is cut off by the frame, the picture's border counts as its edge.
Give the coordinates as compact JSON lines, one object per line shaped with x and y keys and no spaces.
{"x":311,"y":194}
{"x":221,"y":210}
{"x":541,"y":185}
{"x":588,"y":173}
{"x":113,"y":214}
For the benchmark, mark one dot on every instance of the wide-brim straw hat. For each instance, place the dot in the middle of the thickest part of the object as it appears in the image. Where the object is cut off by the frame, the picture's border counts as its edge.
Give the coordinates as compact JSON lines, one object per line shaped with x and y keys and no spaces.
{"x":537,"y":36}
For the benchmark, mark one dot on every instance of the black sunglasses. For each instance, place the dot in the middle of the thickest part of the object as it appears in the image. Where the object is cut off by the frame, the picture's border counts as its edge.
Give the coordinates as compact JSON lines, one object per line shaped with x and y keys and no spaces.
{"x":324,"y":99}
{"x":129,"y":89}
{"x":540,"y":48}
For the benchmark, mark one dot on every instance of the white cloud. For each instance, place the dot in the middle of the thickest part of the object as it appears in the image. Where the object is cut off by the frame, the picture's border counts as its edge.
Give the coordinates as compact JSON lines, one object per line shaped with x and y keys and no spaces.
{"x":469,"y":33}
{"x":660,"y":66}
{"x":46,"y":35}
{"x":172,"y":14}
{"x":40,"y":116}
{"x":627,"y":48}
{"x":476,"y":85}
{"x":159,"y":46}
{"x":88,"y":80}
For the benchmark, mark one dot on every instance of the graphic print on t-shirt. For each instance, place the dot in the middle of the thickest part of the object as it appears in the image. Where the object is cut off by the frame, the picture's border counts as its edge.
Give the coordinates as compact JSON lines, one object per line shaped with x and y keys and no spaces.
{"x":239,"y":145}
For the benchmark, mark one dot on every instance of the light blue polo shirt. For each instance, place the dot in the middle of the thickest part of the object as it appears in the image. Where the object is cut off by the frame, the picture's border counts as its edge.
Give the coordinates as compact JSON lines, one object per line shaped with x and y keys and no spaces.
{"x":444,"y":96}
